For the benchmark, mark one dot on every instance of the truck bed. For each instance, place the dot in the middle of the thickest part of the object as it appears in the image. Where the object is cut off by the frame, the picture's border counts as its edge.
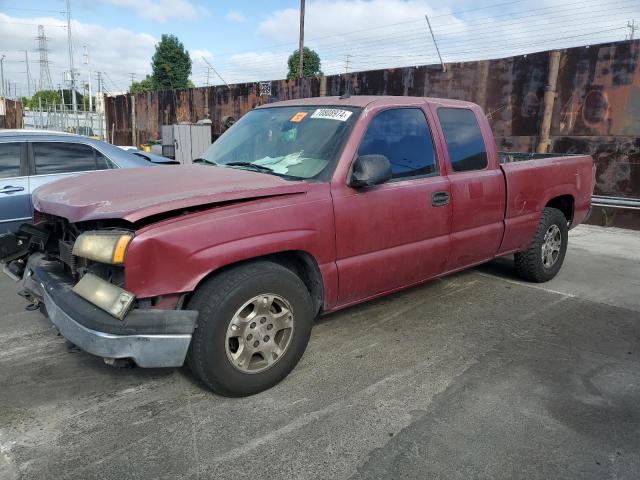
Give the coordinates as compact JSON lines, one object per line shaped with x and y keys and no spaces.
{"x":532,"y":180}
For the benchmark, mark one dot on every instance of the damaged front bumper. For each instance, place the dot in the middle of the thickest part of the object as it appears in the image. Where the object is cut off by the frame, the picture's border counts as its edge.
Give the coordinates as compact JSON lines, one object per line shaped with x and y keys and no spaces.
{"x":149,"y":337}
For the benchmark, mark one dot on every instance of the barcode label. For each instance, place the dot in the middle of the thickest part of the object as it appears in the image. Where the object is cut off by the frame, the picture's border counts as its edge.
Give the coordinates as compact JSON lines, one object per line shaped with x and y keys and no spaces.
{"x":332,"y":114}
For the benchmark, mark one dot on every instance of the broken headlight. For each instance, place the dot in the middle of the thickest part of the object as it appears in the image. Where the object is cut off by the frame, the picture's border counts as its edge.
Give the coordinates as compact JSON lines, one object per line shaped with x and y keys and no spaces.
{"x":102,"y":294}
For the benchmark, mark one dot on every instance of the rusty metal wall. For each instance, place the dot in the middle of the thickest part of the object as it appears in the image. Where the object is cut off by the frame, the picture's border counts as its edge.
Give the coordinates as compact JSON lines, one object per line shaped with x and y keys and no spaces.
{"x":10,"y":113}
{"x":596,"y":111}
{"x":154,"y":109}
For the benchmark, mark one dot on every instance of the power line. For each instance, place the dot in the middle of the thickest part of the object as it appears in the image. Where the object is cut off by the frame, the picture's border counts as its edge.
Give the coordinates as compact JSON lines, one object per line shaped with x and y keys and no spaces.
{"x":30,"y":9}
{"x":449,"y":32}
{"x":29,"y":23}
{"x":482,"y":21}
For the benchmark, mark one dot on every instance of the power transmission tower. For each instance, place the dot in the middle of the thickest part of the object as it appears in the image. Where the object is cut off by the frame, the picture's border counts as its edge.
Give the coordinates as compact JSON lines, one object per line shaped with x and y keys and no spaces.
{"x":132,"y":78}
{"x":631,"y":25}
{"x":346,"y":63}
{"x":45,"y":75}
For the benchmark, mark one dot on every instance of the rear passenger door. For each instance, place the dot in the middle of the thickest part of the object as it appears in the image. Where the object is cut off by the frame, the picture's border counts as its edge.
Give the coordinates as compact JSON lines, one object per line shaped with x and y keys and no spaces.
{"x":53,"y":160}
{"x":15,"y":206}
{"x":395,"y":234}
{"x":477,"y":190}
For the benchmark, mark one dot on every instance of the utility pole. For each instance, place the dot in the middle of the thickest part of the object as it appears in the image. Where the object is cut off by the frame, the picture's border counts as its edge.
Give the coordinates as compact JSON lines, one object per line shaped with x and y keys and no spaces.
{"x":26,"y":62}
{"x":88,"y":64}
{"x":74,"y":101}
{"x":433,"y":37}
{"x":301,"y":45}
{"x":132,"y":78}
{"x":2,"y":72}
{"x":346,"y":63}
{"x":631,"y":25}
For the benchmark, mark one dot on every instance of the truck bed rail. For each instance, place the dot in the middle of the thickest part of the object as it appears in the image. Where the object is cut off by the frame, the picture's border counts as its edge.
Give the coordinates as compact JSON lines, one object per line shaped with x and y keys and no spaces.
{"x":509,"y":157}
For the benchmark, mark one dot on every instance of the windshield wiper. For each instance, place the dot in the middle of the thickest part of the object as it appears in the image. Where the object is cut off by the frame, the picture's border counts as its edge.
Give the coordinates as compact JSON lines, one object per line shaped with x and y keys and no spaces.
{"x":204,"y":160}
{"x":260,"y":168}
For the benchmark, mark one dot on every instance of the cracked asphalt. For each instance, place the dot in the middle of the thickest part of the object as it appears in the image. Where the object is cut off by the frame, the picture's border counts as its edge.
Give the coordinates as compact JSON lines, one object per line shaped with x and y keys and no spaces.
{"x":476,"y":375}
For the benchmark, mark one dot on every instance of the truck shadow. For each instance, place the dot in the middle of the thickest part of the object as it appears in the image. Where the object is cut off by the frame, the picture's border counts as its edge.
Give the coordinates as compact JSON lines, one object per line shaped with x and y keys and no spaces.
{"x":500,"y":267}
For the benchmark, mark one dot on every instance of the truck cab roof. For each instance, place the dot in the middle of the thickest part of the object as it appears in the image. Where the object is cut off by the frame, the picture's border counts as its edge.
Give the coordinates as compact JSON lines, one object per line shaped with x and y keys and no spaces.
{"x":363,"y":101}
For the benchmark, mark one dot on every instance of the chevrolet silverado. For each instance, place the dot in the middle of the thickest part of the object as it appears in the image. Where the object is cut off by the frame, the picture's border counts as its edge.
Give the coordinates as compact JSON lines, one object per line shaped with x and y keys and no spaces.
{"x":301,"y":208}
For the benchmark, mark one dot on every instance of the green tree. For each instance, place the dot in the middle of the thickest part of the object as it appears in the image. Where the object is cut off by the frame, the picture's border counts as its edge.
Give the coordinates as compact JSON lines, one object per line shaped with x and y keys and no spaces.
{"x":52,"y":97}
{"x":48,"y":97}
{"x":144,"y":85}
{"x":171,"y":64}
{"x":310,"y":60}
{"x":68,"y":99}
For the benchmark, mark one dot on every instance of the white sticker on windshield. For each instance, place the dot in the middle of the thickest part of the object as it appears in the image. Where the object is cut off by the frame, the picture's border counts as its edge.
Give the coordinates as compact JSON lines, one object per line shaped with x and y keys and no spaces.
{"x":332,"y":114}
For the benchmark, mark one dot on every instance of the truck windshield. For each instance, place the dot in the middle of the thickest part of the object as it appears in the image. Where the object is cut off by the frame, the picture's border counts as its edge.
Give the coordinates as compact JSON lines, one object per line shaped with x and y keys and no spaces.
{"x":293,"y":142}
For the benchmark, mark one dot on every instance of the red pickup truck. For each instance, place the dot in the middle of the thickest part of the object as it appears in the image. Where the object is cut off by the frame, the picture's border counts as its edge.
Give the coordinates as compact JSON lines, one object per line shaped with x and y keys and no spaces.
{"x":303,"y":207}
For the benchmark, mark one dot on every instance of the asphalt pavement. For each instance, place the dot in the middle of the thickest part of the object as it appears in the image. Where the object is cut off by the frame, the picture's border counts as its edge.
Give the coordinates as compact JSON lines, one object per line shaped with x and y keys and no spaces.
{"x":476,"y":375}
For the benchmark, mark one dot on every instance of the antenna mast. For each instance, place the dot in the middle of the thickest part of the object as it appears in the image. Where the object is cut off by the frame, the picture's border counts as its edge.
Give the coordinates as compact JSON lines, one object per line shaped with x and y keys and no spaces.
{"x":433,"y":37}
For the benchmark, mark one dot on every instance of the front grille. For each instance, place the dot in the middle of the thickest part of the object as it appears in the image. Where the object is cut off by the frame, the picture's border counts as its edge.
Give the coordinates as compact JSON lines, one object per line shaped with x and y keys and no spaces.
{"x":66,"y":256}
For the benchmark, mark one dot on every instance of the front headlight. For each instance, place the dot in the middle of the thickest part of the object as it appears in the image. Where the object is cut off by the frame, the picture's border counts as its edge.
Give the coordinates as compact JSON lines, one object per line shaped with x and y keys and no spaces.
{"x":104,"y":247}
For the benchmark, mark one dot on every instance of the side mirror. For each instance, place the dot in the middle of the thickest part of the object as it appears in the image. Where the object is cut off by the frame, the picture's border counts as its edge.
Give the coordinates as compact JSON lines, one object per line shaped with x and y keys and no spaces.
{"x":369,"y":170}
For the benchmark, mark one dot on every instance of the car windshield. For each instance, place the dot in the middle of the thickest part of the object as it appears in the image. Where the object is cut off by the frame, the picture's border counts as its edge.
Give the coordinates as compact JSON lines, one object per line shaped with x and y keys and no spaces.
{"x":293,"y":142}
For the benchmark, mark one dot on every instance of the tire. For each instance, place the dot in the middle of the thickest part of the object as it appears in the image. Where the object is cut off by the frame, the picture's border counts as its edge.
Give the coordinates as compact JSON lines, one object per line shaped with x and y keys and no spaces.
{"x":530,"y":264}
{"x":228,"y":304}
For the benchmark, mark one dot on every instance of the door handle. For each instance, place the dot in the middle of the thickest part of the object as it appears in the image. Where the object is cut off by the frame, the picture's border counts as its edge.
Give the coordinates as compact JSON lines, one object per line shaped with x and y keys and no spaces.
{"x":440,"y":199}
{"x":11,"y":189}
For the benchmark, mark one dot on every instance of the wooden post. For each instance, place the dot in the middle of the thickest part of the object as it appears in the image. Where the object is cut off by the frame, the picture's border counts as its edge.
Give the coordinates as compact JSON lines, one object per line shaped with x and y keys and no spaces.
{"x":549,"y":98}
{"x":134,"y":130}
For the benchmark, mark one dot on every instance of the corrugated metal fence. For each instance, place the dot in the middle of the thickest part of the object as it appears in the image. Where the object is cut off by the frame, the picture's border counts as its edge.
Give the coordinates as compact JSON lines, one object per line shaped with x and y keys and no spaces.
{"x":596,"y":109}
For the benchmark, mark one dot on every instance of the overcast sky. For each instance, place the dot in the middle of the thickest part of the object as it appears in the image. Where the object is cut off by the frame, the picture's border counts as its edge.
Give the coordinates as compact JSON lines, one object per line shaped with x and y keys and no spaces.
{"x":250,"y":40}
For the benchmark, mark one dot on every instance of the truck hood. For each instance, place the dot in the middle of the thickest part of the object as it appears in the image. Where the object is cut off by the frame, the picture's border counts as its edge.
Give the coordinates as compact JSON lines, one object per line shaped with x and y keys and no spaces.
{"x":137,"y":193}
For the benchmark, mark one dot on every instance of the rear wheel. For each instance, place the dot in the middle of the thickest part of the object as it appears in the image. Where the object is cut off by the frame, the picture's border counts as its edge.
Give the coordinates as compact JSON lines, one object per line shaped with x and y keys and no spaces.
{"x":544,"y":257}
{"x":254,"y":325}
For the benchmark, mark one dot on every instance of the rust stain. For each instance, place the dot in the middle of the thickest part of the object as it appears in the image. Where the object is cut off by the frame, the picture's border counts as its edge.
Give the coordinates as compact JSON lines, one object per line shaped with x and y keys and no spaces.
{"x":13,"y":113}
{"x":597,"y":108}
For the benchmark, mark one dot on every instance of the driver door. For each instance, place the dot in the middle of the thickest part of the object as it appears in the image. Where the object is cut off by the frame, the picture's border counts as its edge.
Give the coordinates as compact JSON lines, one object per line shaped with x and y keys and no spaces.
{"x":396,"y":234}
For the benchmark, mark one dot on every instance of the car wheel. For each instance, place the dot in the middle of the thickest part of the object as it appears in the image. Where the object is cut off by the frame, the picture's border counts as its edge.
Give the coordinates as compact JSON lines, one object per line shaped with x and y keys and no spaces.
{"x":253,"y":327}
{"x":544,"y":257}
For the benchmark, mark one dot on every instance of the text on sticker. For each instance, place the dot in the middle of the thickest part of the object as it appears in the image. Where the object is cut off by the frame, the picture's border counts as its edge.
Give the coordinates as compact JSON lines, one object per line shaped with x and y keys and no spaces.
{"x":298,"y":117}
{"x":332,"y":114}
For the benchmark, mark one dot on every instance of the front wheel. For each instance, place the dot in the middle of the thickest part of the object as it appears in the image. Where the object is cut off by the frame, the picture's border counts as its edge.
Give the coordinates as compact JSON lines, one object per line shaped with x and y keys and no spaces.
{"x":254,"y":325}
{"x":544,"y":257}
